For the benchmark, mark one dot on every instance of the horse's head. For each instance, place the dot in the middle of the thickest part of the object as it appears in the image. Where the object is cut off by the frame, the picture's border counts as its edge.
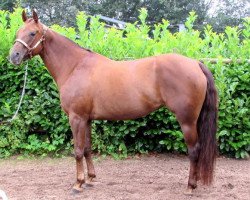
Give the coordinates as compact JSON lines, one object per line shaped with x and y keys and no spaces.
{"x":29,"y":39}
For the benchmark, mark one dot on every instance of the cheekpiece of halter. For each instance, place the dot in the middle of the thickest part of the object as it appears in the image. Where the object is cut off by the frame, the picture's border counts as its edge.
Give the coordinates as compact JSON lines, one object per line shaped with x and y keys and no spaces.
{"x":30,"y":49}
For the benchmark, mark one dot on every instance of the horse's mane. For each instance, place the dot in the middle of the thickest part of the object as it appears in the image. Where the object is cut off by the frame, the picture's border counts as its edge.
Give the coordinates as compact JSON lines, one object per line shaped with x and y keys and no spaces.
{"x":75,"y":44}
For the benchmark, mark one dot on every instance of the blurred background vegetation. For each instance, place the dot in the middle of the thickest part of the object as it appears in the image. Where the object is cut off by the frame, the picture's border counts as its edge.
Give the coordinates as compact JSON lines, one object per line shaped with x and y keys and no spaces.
{"x":217,"y":13}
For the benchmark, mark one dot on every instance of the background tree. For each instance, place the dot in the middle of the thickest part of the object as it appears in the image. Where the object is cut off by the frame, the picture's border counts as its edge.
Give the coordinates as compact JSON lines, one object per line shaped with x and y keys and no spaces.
{"x":176,"y":11}
{"x":63,"y":12}
{"x":217,"y":13}
{"x":54,"y":12}
{"x":229,"y":13}
{"x":7,"y":5}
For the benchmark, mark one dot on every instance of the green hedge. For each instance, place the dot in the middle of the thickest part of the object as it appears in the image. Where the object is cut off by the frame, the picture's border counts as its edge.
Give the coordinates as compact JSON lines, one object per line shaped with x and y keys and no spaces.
{"x":42,"y":128}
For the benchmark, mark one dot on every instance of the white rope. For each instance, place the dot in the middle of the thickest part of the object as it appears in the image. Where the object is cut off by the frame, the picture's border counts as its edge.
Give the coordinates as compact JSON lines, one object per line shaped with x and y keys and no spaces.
{"x":22,"y":95}
{"x":3,"y":195}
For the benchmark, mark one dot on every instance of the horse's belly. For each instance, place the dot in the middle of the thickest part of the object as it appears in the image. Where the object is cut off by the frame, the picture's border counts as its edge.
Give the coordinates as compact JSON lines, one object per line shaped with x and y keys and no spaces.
{"x":126,"y":115}
{"x":124,"y":110}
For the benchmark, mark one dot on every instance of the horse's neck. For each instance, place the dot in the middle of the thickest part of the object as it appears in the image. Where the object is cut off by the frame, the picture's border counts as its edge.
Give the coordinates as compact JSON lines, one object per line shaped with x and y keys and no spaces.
{"x":60,"y":56}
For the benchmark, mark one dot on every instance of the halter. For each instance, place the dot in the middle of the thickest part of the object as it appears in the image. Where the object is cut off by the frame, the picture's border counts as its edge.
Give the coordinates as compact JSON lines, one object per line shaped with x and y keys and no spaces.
{"x":30,"y":49}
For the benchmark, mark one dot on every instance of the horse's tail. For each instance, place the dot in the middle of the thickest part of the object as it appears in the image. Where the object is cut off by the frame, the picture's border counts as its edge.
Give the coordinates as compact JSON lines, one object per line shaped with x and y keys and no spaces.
{"x":207,"y":127}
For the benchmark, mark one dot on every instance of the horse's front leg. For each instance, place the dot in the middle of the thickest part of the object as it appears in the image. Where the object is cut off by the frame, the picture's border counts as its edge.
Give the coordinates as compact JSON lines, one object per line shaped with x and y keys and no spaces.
{"x":87,"y":152}
{"x":78,"y":126}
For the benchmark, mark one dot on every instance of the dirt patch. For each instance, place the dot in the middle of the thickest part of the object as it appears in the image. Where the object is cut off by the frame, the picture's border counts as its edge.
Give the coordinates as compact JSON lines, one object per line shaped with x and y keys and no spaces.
{"x":158,"y":177}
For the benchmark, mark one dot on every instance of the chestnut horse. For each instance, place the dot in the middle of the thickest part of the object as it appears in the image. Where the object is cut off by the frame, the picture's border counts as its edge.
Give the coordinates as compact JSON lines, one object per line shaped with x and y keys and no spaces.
{"x":93,"y":87}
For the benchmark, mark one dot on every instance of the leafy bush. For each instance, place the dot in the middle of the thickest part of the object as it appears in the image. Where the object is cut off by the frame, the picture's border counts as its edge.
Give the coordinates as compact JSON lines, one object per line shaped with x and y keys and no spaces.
{"x":42,"y":128}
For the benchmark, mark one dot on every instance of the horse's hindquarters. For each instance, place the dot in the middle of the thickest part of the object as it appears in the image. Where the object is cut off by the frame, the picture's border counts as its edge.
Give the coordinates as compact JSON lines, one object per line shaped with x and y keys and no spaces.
{"x":182,"y":86}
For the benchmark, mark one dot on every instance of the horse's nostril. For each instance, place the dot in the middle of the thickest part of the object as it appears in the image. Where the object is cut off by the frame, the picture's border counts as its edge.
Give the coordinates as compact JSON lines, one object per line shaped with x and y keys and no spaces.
{"x":17,"y":53}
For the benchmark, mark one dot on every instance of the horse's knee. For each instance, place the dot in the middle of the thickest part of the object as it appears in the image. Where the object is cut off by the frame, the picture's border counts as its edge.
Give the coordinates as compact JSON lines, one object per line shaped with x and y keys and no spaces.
{"x":79,"y":153}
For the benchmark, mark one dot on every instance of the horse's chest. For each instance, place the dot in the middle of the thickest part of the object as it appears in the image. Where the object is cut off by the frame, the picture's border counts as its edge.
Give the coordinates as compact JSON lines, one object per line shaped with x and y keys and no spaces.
{"x":76,"y":100}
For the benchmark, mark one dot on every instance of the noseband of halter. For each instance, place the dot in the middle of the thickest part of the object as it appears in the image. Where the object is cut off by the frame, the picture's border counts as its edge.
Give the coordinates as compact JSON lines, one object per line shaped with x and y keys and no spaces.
{"x":30,"y":49}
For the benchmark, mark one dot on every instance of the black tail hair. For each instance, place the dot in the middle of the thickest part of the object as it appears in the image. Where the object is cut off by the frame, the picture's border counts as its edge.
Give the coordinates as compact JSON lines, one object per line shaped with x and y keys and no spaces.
{"x":207,"y":127}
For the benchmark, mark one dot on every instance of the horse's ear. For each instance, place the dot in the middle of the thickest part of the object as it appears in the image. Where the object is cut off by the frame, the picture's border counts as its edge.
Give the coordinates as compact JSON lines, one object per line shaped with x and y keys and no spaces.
{"x":24,"y":16}
{"x":35,"y":17}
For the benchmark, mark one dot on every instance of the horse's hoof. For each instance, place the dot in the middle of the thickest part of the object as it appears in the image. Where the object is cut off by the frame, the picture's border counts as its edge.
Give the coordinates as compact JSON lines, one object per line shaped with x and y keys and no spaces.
{"x":91,"y":177}
{"x":188,"y":191}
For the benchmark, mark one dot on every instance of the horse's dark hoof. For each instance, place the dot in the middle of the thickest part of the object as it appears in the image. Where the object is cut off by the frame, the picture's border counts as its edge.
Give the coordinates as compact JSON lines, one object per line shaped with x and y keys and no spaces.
{"x":91,"y":177}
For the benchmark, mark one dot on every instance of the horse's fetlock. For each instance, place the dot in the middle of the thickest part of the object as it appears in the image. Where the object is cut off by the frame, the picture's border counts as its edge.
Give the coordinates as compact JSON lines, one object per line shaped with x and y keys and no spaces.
{"x":192,"y":184}
{"x":91,"y":175}
{"x":81,"y":180}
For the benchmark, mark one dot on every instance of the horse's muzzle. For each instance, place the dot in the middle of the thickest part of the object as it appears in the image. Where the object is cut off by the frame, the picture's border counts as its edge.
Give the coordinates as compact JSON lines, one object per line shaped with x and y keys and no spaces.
{"x":16,"y":57}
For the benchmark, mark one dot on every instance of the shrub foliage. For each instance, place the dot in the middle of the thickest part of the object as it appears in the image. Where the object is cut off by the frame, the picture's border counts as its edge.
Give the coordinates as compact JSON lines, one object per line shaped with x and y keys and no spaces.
{"x":41,"y":127}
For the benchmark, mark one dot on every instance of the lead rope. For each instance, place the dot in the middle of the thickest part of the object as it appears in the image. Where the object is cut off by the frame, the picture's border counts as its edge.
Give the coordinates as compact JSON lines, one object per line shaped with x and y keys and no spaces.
{"x":21,"y":98}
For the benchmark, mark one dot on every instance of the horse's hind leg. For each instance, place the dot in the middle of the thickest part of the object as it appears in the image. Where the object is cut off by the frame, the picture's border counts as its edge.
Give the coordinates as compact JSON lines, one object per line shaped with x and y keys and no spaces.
{"x":191,"y":138}
{"x":187,"y":115}
{"x":87,"y":153}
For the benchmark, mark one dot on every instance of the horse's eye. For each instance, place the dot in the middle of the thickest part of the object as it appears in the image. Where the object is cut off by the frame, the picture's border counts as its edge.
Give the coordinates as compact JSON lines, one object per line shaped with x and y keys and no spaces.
{"x":32,"y":34}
